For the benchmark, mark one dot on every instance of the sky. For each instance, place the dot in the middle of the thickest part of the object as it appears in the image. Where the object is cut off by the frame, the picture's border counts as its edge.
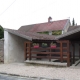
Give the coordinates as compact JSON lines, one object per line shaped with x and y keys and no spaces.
{"x":16,"y":13}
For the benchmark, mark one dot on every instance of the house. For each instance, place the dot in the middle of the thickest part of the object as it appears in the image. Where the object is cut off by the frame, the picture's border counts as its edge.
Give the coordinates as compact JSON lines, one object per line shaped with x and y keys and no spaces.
{"x":48,"y":27}
{"x":14,"y":39}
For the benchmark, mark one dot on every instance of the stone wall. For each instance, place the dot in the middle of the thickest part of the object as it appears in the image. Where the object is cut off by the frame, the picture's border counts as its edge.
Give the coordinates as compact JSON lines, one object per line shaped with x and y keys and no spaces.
{"x":1,"y":50}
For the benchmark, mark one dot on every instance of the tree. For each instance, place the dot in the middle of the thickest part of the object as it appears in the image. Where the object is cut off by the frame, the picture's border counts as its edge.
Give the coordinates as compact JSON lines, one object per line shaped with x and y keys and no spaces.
{"x":73,"y":22}
{"x":1,"y":32}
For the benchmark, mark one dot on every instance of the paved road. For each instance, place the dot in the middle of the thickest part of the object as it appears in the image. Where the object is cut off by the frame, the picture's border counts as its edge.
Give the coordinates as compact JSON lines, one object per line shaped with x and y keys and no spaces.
{"x":10,"y":77}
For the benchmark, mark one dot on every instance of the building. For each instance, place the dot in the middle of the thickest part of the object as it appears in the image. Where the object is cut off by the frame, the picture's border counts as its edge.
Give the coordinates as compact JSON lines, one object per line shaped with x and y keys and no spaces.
{"x":14,"y":39}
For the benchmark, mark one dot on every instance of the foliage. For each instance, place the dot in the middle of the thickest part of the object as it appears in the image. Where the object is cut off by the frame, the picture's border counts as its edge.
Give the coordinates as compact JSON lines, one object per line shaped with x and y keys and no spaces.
{"x":73,"y":22}
{"x":44,"y":45}
{"x":45,"y":32}
{"x":59,"y":32}
{"x":1,"y":32}
{"x":54,"y":44}
{"x":34,"y":44}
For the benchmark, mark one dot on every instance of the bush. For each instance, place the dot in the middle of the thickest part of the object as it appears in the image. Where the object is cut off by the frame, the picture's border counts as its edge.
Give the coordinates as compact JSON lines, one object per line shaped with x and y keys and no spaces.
{"x":1,"y":32}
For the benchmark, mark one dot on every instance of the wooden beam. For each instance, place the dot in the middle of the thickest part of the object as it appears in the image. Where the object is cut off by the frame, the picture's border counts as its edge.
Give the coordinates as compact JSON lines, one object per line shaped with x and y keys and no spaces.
{"x":68,"y":53}
{"x":29,"y":44}
{"x":27,"y":49}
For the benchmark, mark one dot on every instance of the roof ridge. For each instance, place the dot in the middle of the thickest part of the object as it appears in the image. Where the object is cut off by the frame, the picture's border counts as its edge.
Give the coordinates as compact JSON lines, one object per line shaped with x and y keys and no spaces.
{"x":46,"y":22}
{"x":46,"y":26}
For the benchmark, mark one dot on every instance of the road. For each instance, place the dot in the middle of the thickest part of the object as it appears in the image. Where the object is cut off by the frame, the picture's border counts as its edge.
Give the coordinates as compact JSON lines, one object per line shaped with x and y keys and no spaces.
{"x":10,"y":77}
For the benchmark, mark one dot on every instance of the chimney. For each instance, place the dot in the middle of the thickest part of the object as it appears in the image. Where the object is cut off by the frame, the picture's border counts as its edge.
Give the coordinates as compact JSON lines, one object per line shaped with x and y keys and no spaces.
{"x":49,"y":19}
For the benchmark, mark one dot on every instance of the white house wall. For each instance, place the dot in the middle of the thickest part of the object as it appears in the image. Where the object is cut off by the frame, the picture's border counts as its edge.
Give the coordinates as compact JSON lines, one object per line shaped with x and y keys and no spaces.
{"x":6,"y":47}
{"x":14,"y":48}
{"x":66,"y":27}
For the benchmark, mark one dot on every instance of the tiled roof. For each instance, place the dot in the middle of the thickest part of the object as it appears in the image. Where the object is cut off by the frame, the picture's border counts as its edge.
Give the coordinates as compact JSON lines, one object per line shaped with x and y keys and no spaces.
{"x":25,"y":28}
{"x":73,"y":27}
{"x":48,"y":26}
{"x":69,"y":33}
{"x":31,"y":35}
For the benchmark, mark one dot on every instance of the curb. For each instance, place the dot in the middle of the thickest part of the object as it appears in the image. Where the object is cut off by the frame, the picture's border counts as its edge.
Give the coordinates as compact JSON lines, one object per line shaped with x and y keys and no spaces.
{"x":40,"y":78}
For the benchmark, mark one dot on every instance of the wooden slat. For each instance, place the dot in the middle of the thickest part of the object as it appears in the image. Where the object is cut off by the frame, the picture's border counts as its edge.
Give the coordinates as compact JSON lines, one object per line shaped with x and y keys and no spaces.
{"x":45,"y":57}
{"x":29,"y":51}
{"x":64,"y":47}
{"x":45,"y":52}
{"x":40,"y":57}
{"x":54,"y":57}
{"x":47,"y":48}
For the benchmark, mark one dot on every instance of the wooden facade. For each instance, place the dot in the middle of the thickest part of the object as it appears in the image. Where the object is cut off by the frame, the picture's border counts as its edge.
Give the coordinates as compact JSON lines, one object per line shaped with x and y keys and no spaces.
{"x":61,"y":52}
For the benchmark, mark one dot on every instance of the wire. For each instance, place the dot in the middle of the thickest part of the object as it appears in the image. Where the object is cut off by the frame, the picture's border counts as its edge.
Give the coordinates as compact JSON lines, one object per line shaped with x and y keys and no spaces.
{"x":8,"y":7}
{"x":42,"y":8}
{"x":32,"y":11}
{"x":38,"y":10}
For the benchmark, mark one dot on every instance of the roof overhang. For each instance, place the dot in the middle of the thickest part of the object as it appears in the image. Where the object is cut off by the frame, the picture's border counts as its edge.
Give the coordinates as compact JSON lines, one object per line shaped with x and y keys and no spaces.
{"x":71,"y":35}
{"x":30,"y":35}
{"x":20,"y":35}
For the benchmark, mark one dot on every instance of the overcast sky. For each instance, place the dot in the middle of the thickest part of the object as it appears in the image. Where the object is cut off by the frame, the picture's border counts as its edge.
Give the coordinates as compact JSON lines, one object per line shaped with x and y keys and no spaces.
{"x":16,"y":13}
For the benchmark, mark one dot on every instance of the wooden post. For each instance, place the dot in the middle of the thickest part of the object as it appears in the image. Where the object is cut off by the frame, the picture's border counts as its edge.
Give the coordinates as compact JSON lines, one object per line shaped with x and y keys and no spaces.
{"x":61,"y":52}
{"x":29,"y":50}
{"x":68,"y":53}
{"x":50,"y":55}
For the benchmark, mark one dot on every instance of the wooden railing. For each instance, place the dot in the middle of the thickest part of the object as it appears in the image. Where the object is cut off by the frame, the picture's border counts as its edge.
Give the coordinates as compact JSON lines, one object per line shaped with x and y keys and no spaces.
{"x":29,"y":51}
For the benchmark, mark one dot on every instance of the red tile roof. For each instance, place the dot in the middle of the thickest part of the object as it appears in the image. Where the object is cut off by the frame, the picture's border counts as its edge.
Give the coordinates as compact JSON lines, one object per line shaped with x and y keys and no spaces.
{"x":48,"y":26}
{"x":29,"y":32}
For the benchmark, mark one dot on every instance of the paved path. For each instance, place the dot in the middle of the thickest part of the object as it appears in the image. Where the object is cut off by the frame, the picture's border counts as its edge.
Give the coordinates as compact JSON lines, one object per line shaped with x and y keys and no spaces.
{"x":78,"y":65}
{"x":10,"y":77}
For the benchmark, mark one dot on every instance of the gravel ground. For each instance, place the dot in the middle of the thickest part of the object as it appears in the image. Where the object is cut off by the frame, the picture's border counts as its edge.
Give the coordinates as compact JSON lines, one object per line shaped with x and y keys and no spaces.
{"x":64,"y":73}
